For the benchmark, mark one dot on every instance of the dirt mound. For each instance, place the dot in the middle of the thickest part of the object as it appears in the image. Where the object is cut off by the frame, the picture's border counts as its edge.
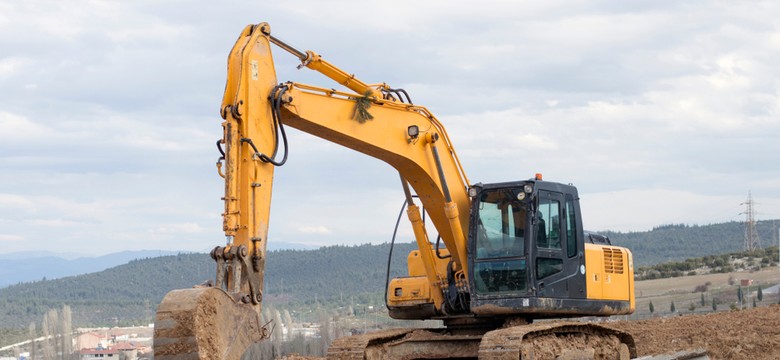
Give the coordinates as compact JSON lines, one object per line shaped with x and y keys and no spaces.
{"x":749,"y":334}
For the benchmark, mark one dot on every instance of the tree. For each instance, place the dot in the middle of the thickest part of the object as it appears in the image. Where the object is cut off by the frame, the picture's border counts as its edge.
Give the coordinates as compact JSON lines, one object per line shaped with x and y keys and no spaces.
{"x":702,"y":300}
{"x":288,"y":321}
{"x":672,"y":308}
{"x":49,"y":326}
{"x":714,"y":304}
{"x":760,"y":294}
{"x":754,"y":302}
{"x":66,"y":332}
{"x":33,"y":345}
{"x":739,"y":294}
{"x":279,"y":329}
{"x":325,"y":331}
{"x":652,"y":308}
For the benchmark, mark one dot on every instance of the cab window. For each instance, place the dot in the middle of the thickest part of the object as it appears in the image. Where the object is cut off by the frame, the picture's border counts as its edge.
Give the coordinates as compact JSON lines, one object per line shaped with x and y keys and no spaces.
{"x":571,"y":240}
{"x":548,"y":224}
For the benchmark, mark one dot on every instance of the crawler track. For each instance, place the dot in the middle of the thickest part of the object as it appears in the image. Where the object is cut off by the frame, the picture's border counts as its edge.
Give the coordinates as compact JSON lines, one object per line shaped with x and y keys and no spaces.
{"x":403,"y":344}
{"x":538,"y":341}
{"x":557,"y":340}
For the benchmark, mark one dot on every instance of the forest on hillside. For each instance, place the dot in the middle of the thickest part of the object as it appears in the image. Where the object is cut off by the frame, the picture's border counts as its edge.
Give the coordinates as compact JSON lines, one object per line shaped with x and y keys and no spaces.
{"x":128,"y":294}
{"x":679,"y":242}
{"x":331,"y":276}
{"x":751,"y":261}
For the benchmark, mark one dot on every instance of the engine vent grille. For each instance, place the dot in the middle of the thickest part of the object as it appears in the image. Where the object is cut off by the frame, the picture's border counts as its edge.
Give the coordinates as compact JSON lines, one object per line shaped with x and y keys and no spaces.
{"x":613,"y":260}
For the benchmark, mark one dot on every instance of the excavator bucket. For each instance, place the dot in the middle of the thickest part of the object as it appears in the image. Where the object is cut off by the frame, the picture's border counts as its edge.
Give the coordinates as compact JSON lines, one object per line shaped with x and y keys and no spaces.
{"x":204,"y":323}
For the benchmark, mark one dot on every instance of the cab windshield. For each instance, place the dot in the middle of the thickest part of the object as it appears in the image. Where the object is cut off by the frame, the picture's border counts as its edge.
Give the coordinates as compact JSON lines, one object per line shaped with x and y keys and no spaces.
{"x":499,"y":256}
{"x":501,"y":225}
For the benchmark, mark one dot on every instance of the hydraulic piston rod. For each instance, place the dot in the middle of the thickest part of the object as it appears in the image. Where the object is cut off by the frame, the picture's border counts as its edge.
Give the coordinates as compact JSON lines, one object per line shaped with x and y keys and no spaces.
{"x":313,"y":61}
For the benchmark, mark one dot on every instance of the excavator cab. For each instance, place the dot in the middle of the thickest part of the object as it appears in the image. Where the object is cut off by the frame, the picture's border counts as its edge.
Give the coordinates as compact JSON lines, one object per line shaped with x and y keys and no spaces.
{"x":528,"y":257}
{"x":527,"y":253}
{"x":526,"y":244}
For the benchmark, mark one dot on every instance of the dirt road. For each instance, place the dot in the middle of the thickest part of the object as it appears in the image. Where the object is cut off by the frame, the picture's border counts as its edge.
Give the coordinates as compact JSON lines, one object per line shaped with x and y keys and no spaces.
{"x":752,"y":334}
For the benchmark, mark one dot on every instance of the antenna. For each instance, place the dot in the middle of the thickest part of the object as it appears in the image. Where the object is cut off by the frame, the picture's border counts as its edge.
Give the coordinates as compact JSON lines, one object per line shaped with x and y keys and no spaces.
{"x":752,"y":241}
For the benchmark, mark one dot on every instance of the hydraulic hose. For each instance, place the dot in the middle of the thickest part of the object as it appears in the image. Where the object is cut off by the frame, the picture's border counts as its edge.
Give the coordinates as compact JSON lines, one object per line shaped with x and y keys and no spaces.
{"x":390,"y":255}
{"x":276,"y":105}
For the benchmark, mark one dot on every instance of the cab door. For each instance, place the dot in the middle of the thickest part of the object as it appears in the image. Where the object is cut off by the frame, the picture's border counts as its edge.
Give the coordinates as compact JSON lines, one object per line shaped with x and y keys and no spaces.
{"x":574,"y":260}
{"x":498,"y":259}
{"x":550,"y":270}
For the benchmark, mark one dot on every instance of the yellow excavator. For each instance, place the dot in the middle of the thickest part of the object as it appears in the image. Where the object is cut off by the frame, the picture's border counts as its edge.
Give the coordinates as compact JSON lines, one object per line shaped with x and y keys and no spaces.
{"x":506,"y":253}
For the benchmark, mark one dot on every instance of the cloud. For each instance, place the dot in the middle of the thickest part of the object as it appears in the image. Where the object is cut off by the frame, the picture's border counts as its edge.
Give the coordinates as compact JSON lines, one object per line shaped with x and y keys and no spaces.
{"x":535,"y":141}
{"x":16,"y":202}
{"x":10,"y":66}
{"x":109,"y":111}
{"x":11,"y":238}
{"x":185,"y":228}
{"x":54,"y":222}
{"x":619,"y":210}
{"x":17,"y":127}
{"x":314,"y":230}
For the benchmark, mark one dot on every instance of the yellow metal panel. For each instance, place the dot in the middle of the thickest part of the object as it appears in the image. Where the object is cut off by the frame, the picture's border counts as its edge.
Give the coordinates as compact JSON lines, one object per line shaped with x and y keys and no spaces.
{"x":417,"y":268}
{"x":409,"y":291}
{"x":424,"y":253}
{"x":594,"y":265}
{"x":631,"y":293}
{"x":414,"y":264}
{"x":615,"y":277}
{"x":609,"y":272}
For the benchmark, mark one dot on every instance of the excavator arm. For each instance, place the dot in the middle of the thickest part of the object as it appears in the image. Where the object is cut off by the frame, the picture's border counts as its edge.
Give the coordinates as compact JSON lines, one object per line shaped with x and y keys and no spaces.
{"x":372,"y":120}
{"x":256,"y":110}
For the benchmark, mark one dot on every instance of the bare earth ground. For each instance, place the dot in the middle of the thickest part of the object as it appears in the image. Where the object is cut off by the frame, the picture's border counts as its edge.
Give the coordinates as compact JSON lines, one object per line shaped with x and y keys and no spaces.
{"x":748,"y":334}
{"x":752,"y":334}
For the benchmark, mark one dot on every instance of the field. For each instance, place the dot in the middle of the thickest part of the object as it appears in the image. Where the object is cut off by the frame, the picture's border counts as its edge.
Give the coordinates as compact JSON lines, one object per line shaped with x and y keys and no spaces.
{"x":682,"y":291}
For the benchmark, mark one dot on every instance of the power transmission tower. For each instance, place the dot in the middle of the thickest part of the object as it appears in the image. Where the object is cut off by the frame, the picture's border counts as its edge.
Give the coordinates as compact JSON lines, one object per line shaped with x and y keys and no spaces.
{"x":776,"y":238}
{"x":752,"y":241}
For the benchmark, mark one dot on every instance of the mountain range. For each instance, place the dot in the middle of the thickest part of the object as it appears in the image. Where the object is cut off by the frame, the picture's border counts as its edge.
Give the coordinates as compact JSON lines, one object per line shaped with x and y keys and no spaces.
{"x":27,"y":266}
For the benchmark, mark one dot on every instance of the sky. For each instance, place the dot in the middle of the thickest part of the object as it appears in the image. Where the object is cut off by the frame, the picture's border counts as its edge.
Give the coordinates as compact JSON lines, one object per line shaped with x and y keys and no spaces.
{"x":660,"y":112}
